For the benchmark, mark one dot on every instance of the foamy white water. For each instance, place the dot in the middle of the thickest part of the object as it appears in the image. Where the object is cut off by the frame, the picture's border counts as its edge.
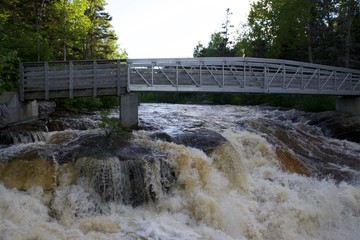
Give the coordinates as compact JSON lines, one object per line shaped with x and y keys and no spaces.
{"x":240,"y":191}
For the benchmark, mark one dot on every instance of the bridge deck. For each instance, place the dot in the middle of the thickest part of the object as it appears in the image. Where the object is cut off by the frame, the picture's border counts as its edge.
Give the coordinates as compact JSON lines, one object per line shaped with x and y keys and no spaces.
{"x":45,"y":80}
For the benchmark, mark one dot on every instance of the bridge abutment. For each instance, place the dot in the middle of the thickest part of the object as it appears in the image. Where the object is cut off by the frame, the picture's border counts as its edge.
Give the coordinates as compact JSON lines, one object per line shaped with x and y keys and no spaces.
{"x":129,"y":110}
{"x":13,"y":111}
{"x":348,"y":104}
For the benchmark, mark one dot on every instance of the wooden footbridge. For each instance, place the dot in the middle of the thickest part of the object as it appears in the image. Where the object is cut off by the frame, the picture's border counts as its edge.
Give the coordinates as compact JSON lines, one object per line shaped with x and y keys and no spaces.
{"x":68,"y":79}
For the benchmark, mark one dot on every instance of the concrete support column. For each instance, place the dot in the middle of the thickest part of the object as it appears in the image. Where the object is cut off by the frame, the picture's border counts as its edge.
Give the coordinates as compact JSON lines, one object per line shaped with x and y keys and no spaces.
{"x":349,"y":105}
{"x":13,"y":111}
{"x":129,"y":110}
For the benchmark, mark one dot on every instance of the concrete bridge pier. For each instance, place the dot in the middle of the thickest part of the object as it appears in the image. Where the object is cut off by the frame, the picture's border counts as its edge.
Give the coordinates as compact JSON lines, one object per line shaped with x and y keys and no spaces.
{"x":348,"y":104}
{"x":13,"y":111}
{"x":129,"y":110}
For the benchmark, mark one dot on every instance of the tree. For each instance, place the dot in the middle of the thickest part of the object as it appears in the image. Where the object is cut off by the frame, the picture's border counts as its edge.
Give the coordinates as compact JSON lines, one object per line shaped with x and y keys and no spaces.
{"x":348,"y":20}
{"x":101,"y":39}
{"x":219,"y":44}
{"x":41,"y":30}
{"x":217,"y":47}
{"x":319,"y":31}
{"x":279,"y":29}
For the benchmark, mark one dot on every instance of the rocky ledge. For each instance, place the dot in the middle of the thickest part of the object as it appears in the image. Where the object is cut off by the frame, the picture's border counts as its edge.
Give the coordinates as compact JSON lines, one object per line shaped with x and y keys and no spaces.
{"x":337,"y":125}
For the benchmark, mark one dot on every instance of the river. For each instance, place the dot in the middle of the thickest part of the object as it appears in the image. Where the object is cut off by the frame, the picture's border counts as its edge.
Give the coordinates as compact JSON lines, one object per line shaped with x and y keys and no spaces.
{"x":190,"y":172}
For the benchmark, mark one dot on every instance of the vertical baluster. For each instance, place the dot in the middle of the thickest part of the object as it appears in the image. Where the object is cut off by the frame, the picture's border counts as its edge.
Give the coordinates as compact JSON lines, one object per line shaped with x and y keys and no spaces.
{"x":94,"y":79}
{"x":22,"y":83}
{"x":46,"y":73}
{"x":71,"y":80}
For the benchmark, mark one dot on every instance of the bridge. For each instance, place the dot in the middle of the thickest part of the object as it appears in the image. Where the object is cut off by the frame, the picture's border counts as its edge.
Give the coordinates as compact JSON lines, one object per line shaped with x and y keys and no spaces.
{"x":46,"y":80}
{"x":69,"y":79}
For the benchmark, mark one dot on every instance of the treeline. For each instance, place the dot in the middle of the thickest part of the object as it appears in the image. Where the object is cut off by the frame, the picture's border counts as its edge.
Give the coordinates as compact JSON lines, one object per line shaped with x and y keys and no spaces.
{"x":315,"y":31}
{"x":43,"y":30}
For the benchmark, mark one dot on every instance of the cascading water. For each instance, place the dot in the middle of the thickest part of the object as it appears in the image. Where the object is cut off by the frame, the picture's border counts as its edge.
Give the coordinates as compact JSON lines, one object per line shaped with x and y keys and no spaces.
{"x":194,"y":172}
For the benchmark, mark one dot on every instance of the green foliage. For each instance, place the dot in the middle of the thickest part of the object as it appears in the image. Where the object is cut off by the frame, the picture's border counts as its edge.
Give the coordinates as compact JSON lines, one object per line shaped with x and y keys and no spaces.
{"x":109,"y":101}
{"x":320,"y":31}
{"x":217,"y":47}
{"x":85,"y":104}
{"x":8,"y":71}
{"x":112,"y":126}
{"x":81,"y":104}
{"x":219,"y":44}
{"x":53,"y":30}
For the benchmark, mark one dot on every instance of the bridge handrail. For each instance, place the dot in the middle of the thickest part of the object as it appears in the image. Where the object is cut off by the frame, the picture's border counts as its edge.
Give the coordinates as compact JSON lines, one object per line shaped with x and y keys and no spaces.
{"x":240,"y":60}
{"x":225,"y":74}
{"x":210,"y":59}
{"x":68,"y":61}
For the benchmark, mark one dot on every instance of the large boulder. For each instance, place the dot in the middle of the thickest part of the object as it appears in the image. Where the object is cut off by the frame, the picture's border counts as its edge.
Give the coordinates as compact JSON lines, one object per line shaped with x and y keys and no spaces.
{"x":46,"y":109}
{"x":201,"y":138}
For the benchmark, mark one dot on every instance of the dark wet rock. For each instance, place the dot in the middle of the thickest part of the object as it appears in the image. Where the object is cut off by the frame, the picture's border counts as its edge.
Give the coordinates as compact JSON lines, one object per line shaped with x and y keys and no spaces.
{"x":135,"y":152}
{"x":301,"y":148}
{"x":203,"y":139}
{"x":161,"y":136}
{"x":46,"y":109}
{"x":96,"y":144}
{"x":338,"y":125}
{"x":119,"y":169}
{"x":317,"y":159}
{"x":115,"y":167}
{"x":130,"y":182}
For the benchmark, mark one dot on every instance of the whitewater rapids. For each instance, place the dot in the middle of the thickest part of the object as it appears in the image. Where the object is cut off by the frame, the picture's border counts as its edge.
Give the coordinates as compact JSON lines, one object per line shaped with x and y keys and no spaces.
{"x":242,"y":190}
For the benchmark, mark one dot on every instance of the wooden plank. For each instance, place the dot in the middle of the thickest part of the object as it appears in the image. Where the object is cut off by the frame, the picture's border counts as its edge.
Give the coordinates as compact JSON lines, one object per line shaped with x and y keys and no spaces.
{"x":110,"y":66}
{"x":33,"y":74}
{"x":58,"y":68}
{"x":34,"y":69}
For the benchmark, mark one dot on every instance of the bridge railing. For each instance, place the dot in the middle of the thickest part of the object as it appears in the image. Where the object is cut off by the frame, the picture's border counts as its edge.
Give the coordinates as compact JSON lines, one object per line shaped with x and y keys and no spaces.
{"x":254,"y":75}
{"x":45,"y":80}
{"x":59,"y":79}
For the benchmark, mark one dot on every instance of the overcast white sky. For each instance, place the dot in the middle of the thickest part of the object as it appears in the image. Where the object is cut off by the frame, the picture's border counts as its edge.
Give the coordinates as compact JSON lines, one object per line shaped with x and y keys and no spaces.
{"x":170,"y":28}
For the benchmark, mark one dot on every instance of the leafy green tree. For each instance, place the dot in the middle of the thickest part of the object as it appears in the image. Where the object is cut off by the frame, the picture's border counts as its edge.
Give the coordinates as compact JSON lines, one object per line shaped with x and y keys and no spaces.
{"x":217,"y":47}
{"x":71,"y":28}
{"x":219,"y":44}
{"x":348,"y":23}
{"x":101,"y":38}
{"x":8,"y":57}
{"x":278,"y":29}
{"x":318,"y":31}
{"x":41,"y":30}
